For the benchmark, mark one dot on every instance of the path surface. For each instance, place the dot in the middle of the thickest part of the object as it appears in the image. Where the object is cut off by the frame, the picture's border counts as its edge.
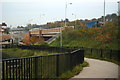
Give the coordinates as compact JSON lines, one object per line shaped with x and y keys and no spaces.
{"x":98,"y":69}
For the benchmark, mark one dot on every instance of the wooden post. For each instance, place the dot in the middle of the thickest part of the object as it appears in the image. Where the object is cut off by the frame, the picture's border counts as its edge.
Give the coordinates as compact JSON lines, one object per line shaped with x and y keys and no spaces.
{"x":40,"y":33}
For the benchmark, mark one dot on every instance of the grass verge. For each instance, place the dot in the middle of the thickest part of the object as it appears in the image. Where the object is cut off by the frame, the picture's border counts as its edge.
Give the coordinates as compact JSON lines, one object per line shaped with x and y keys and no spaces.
{"x":17,"y":53}
{"x":76,"y":70}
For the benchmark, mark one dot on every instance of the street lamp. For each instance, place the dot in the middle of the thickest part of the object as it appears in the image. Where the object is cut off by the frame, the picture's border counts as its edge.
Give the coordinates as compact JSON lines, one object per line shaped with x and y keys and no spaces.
{"x":75,"y":20}
{"x":42,"y":15}
{"x":118,"y":8}
{"x":61,"y":37}
{"x":118,"y":13}
{"x":104,"y":14}
{"x":66,"y":11}
{"x":39,"y":27}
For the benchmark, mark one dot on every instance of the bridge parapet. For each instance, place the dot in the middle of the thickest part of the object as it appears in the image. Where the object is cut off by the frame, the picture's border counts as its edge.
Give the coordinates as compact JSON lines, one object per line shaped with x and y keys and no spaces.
{"x":43,"y":31}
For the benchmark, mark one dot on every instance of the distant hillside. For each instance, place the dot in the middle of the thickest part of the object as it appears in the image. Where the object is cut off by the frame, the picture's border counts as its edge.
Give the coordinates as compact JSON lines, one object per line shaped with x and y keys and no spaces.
{"x":77,"y":23}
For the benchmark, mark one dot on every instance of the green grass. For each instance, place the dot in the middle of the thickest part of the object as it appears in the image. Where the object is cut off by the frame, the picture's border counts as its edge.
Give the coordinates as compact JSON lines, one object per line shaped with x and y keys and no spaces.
{"x":86,"y":43}
{"x":76,"y":70}
{"x":17,"y":52}
{"x":77,"y":38}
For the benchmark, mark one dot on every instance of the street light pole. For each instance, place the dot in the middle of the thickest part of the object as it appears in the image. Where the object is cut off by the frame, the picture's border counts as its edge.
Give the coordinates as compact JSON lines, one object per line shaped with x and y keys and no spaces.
{"x":118,"y":8}
{"x":75,"y":20}
{"x":39,"y":27}
{"x":61,"y":37}
{"x":66,"y":11}
{"x":118,"y":14}
{"x":104,"y":14}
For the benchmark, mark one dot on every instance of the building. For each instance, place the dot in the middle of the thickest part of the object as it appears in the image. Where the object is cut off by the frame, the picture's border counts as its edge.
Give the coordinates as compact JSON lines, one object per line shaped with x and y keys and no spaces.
{"x":17,"y":34}
{"x":5,"y":37}
{"x":4,"y":29}
{"x":94,"y":23}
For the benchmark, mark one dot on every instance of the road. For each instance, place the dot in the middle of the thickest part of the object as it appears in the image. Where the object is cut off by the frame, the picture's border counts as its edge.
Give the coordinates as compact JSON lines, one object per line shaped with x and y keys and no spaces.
{"x":98,"y":69}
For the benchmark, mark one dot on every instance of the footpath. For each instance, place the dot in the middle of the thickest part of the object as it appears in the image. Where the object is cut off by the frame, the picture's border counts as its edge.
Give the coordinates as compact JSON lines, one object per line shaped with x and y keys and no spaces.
{"x":98,"y":69}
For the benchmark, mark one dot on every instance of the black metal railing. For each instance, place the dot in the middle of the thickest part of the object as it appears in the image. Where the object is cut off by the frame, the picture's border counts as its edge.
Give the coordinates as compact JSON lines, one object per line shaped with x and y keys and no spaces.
{"x":48,"y":66}
{"x":46,"y":48}
{"x":107,"y":54}
{"x":103,"y":54}
{"x":41,"y":48}
{"x":89,"y":52}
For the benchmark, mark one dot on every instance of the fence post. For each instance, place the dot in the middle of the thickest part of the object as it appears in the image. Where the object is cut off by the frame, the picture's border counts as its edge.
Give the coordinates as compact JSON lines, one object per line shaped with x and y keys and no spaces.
{"x":82,"y":52}
{"x":101,"y":53}
{"x":81,"y":56}
{"x":3,"y":71}
{"x":91,"y":52}
{"x":118,"y":57}
{"x":70,"y":60}
{"x":57,"y":65}
{"x":110,"y":54}
{"x":36,"y":68}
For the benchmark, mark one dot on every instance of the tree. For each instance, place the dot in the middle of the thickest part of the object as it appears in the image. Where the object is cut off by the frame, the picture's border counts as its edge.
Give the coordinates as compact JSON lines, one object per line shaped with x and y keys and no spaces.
{"x":94,"y":19}
{"x":33,"y":40}
{"x":67,"y":20}
{"x":20,"y":27}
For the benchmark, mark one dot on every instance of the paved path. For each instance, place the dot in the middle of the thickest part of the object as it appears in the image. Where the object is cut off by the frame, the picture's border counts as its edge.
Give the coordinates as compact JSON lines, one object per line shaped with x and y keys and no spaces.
{"x":98,"y":69}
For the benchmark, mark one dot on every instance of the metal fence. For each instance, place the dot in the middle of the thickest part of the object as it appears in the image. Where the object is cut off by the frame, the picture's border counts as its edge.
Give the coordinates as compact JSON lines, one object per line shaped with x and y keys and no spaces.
{"x":46,"y":48}
{"x":103,"y":54}
{"x":41,"y":48}
{"x":89,"y":52}
{"x":107,"y":54}
{"x":48,"y":66}
{"x":52,"y":66}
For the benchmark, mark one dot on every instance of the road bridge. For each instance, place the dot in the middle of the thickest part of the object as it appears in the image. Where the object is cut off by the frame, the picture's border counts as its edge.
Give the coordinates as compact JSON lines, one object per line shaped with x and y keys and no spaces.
{"x":47,"y":34}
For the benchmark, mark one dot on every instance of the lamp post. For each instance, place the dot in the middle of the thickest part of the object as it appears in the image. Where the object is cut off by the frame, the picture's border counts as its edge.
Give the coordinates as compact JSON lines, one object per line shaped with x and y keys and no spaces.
{"x":39,"y":27}
{"x":66,"y":11}
{"x":104,"y":15}
{"x":118,"y":8}
{"x":42,"y":15}
{"x":75,"y":20}
{"x":61,"y":37}
{"x":118,"y":13}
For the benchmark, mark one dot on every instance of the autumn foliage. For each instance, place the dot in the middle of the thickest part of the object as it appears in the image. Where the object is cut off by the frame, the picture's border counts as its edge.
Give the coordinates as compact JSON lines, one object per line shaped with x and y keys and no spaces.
{"x":32,"y":40}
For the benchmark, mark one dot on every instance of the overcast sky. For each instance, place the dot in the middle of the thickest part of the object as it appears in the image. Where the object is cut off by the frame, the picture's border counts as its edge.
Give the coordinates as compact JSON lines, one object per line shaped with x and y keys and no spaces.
{"x":22,"y":12}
